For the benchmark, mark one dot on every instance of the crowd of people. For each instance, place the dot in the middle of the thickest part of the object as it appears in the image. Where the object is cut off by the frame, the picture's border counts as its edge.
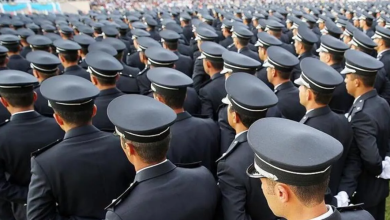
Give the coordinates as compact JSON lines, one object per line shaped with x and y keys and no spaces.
{"x":252,"y":110}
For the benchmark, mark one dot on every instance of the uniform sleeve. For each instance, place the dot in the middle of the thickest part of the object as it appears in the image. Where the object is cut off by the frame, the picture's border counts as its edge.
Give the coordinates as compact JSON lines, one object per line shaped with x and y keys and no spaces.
{"x":296,"y":73}
{"x":198,"y":74}
{"x":382,"y":85}
{"x":352,"y":170}
{"x":207,"y":106}
{"x":233,"y":194}
{"x":112,"y":216}
{"x":227,"y":132}
{"x":9,"y":191}
{"x":364,"y":137}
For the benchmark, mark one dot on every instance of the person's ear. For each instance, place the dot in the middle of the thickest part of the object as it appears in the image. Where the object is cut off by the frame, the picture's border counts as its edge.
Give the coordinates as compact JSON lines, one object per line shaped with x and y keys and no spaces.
{"x":94,"y":110}
{"x":328,"y":58}
{"x":309,"y":94}
{"x":58,"y":119}
{"x":93,"y":79}
{"x":159,"y":98}
{"x":356,"y":82}
{"x":282,"y":192}
{"x":208,"y":64}
{"x":130,"y":149}
{"x":35,"y":96}
{"x":273,"y":72}
{"x":35,"y":73}
{"x":4,"y":102}
{"x":61,"y":58}
{"x":236,"y":117}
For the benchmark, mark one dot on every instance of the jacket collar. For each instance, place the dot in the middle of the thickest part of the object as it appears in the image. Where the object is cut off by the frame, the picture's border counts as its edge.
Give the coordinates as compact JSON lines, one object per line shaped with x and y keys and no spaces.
{"x":366,"y":96}
{"x":83,"y":130}
{"x":243,"y":49}
{"x":16,"y":56}
{"x":337,"y":66}
{"x":153,"y":172}
{"x":110,"y":91}
{"x":25,"y":116}
{"x":304,"y":55}
{"x":315,"y":113}
{"x":216,"y":76}
{"x":240,"y":139}
{"x":72,"y":68}
{"x":285,"y":85}
{"x":182,"y":116}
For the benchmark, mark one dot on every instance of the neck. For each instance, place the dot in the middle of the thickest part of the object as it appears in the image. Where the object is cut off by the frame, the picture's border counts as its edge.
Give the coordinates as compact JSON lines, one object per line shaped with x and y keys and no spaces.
{"x":68,"y":127}
{"x":278,"y":81}
{"x":24,"y":44}
{"x":240,"y":128}
{"x":104,"y":87}
{"x":139,"y":164}
{"x":211,"y":73}
{"x":301,"y":52}
{"x":12,"y":53}
{"x":381,"y":49}
{"x":330,"y":62}
{"x":239,"y":46}
{"x":313,"y":105}
{"x":14,"y":110}
{"x":362,"y":91}
{"x":365,"y":28}
{"x":178,"y":110}
{"x":67,"y":65}
{"x":305,"y":213}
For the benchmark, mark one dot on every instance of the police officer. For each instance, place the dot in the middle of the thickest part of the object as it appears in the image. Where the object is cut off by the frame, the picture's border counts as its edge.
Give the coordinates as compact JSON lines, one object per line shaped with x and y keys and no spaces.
{"x":226,"y":28}
{"x":151,"y":23}
{"x":279,"y":65}
{"x":24,"y":33}
{"x":104,"y":70}
{"x":127,"y":81}
{"x":65,"y":174}
{"x":185,"y":23}
{"x":4,"y":114}
{"x":331,"y":52}
{"x":84,"y":41}
{"x":303,"y":42}
{"x":293,"y":185}
{"x":68,"y":53}
{"x":369,"y":117}
{"x":133,"y":58}
{"x":66,"y":32}
{"x":241,"y":36}
{"x":193,"y":139}
{"x":39,"y":42}
{"x":15,"y":60}
{"x":170,"y":41}
{"x":213,"y":90}
{"x":159,"y":184}
{"x":366,"y":21}
{"x":44,"y":65}
{"x":332,"y":29}
{"x":318,"y":82}
{"x":264,"y":41}
{"x":242,"y":197}
{"x":274,"y":28}
{"x":18,"y":97}
{"x":382,"y":40}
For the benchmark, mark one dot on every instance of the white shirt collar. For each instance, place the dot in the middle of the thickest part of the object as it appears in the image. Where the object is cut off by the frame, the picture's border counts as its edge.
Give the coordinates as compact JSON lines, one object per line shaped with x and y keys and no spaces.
{"x":309,"y":110}
{"x":326,"y":215}
{"x":276,"y":87}
{"x":152,"y":166}
{"x":356,"y":99}
{"x":23,"y":112}
{"x":380,"y":53}
{"x":237,"y":135}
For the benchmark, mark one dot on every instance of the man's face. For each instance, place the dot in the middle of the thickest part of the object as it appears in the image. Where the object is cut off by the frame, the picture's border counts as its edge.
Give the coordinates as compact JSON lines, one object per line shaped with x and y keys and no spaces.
{"x":269,"y":193}
{"x":321,"y":25}
{"x":324,"y":57}
{"x":356,"y":23}
{"x":302,"y":95}
{"x":270,"y":72}
{"x":230,"y":115}
{"x":362,"y":23}
{"x":297,"y":45}
{"x":295,"y":32}
{"x":346,"y":39}
{"x":349,"y":84}
{"x":261,"y":53}
{"x":199,"y":42}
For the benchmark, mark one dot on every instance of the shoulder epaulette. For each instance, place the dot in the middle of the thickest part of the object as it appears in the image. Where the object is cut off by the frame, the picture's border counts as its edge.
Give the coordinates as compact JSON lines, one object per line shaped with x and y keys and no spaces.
{"x":43,"y":149}
{"x":351,"y":208}
{"x":143,"y":71}
{"x":4,"y":122}
{"x":189,"y":165}
{"x":115,"y":202}
{"x":359,"y":105}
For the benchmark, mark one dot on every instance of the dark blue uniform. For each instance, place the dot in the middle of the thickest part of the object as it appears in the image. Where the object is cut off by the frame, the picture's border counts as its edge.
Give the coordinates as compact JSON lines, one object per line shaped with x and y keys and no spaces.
{"x":296,"y":72}
{"x":41,"y":105}
{"x":34,"y":132}
{"x":262,"y":75}
{"x":211,"y":94}
{"x":76,"y":70}
{"x":127,"y":81}
{"x":194,"y":140}
{"x":17,"y":62}
{"x":184,"y":64}
{"x":341,"y":101}
{"x":134,"y":61}
{"x":199,"y":75}
{"x":227,"y":132}
{"x":187,"y":32}
{"x":248,"y":52}
{"x":242,"y":196}
{"x":83,"y":64}
{"x":101,"y":120}
{"x":79,"y":176}
{"x":227,"y":41}
{"x":166,"y":190}
{"x":185,"y":50}
{"x":25,"y":51}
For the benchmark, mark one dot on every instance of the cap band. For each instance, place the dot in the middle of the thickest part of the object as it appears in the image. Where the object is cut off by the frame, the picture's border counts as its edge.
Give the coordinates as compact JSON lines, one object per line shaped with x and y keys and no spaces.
{"x":146,"y":138}
{"x":93,"y":71}
{"x":42,"y":69}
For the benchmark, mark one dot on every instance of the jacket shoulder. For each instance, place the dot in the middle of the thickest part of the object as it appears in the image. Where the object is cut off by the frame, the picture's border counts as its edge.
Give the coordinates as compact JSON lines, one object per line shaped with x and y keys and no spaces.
{"x":43,"y":149}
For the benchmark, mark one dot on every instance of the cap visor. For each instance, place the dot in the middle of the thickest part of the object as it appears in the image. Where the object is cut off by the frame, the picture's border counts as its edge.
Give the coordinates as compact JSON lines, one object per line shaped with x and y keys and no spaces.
{"x":197,"y":38}
{"x":252,"y":172}
{"x":299,"y":81}
{"x":226,"y":101}
{"x":375,"y":36}
{"x":202,"y":56}
{"x":347,"y":70}
{"x":258,"y":44}
{"x":267,"y":64}
{"x":321,"y":49}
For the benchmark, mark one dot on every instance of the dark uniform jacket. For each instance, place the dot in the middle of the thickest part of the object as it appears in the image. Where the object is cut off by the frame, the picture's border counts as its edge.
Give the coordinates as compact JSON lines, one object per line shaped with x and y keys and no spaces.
{"x":41,"y":105}
{"x":369,"y":32}
{"x":187,"y":32}
{"x":199,"y":76}
{"x":382,"y":84}
{"x":17,"y":62}
{"x":384,"y":57}
{"x":4,"y":114}
{"x":76,"y":70}
{"x":133,"y":60}
{"x":154,"y":34}
{"x":242,"y":196}
{"x":167,"y":192}
{"x":25,"y":51}
{"x":288,"y":104}
{"x":249,"y":53}
{"x":227,"y":132}
{"x":341,"y":101}
{"x":211,"y":94}
{"x":185,"y":50}
{"x":184,"y":64}
{"x":337,"y":126}
{"x":226,"y":42}
{"x":370,"y":118}
{"x":83,"y":64}
{"x":101,"y":120}
{"x":347,"y":213}
{"x":79,"y":176}
{"x":192,"y":103}
{"x":194,"y":140}
{"x":262,"y":75}
{"x":144,"y":82}
{"x":33,"y":131}
{"x":296,"y":72}
{"x":127,"y":81}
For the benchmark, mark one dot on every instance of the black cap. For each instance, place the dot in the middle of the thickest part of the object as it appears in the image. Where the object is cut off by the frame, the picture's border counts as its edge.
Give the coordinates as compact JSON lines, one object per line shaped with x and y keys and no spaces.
{"x":102,"y":65}
{"x":308,"y":18}
{"x":273,"y":25}
{"x":146,"y":42}
{"x":349,"y":30}
{"x":243,"y":91}
{"x":227,"y":24}
{"x":282,"y":148}
{"x":330,"y":44}
{"x":241,"y":32}
{"x":141,"y":119}
{"x":43,"y":61}
{"x":332,"y":29}
{"x":25,"y":32}
{"x":341,"y":23}
{"x":305,"y":35}
{"x":68,"y":92}
{"x":39,"y":41}
{"x":116,"y":43}
{"x":150,"y":22}
{"x":66,"y":30}
{"x":110,"y":31}
{"x":15,"y":81}
{"x":104,"y":47}
{"x":318,"y":76}
{"x":9,"y":40}
{"x":185,"y":17}
{"x":158,"y":56}
{"x":17,"y":23}
{"x":168,"y":81}
{"x":139,"y":33}
{"x":322,"y":19}
{"x":266,"y":40}
{"x":66,"y":46}
{"x":360,"y":63}
{"x":366,"y":16}
{"x":8,"y":31}
{"x":53,"y":37}
{"x":168,"y":35}
{"x":3,"y":51}
{"x":139,"y":25}
{"x":205,"y":34}
{"x":381,"y":32}
{"x":236,"y":62}
{"x":361,"y":39}
{"x":84,"y":40}
{"x":212,"y":51}
{"x":280,"y":59}
{"x":48,"y":28}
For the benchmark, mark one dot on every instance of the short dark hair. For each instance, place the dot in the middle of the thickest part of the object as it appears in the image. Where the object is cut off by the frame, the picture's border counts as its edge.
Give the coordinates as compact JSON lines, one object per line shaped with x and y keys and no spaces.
{"x":18,"y":99}
{"x":307,"y":47}
{"x":84,"y":50}
{"x":106,"y":81}
{"x":70,"y":56}
{"x":13,"y":48}
{"x":369,"y":22}
{"x":152,"y":152}
{"x":76,"y":117}
{"x":174,"y":100}
{"x":246,"y":120}
{"x":366,"y":50}
{"x":98,"y":31}
{"x":337,"y":57}
{"x":283,"y":74}
{"x":171,"y":45}
{"x":322,"y":98}
{"x":368,"y":81}
{"x":2,"y":60}
{"x":216,"y":65}
{"x":386,"y":42}
{"x":119,"y":56}
{"x":243,"y":42}
{"x":47,"y":49}
{"x":167,"y":66}
{"x":46,"y":75}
